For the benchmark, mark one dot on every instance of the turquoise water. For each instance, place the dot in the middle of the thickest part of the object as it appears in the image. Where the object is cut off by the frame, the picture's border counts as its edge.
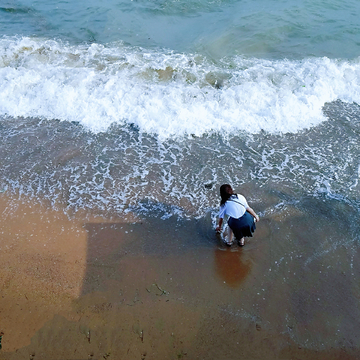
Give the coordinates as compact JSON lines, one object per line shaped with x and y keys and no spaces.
{"x":264,"y":29}
{"x":237,"y":65}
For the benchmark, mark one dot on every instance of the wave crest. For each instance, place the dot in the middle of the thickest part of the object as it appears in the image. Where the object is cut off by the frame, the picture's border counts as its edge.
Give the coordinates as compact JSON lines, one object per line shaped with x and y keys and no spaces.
{"x":165,"y":93}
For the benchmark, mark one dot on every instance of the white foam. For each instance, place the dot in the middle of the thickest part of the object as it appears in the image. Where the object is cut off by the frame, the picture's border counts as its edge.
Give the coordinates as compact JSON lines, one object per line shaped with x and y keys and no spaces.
{"x":165,"y":93}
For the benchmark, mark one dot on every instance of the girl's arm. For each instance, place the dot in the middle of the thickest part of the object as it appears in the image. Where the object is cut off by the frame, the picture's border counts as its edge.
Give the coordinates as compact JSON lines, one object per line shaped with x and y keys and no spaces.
{"x":218,"y":229}
{"x":253,"y":213}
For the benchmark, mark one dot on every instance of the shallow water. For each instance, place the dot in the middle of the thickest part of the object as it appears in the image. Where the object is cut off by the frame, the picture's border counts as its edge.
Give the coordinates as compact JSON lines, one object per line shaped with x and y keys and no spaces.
{"x":125,"y":170}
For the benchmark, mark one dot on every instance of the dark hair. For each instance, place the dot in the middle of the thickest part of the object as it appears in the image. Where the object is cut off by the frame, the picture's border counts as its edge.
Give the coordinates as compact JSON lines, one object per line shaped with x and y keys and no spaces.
{"x":225,"y":192}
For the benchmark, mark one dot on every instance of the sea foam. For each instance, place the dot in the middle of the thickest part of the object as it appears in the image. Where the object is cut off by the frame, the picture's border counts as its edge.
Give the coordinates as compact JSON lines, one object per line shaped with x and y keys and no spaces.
{"x":165,"y":93}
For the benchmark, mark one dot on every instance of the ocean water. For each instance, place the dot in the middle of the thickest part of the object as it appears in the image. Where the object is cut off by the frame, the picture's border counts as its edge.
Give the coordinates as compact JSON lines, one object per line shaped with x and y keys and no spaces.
{"x":162,"y":101}
{"x":147,"y":107}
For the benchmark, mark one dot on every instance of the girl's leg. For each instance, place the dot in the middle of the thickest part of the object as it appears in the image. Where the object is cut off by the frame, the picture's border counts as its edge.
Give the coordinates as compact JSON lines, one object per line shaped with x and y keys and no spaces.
{"x":229,"y":235}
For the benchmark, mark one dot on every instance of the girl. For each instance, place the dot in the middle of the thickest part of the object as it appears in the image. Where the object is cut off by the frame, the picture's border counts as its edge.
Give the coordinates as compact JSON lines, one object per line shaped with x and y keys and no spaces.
{"x":242,"y":217}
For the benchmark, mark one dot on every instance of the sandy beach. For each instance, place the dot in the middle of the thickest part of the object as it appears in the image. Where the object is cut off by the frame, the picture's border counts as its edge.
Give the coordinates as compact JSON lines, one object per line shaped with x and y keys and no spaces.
{"x":97,"y":288}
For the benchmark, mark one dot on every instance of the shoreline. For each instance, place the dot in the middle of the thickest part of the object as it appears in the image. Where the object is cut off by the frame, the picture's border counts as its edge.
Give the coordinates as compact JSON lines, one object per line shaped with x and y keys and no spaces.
{"x":152,"y":289}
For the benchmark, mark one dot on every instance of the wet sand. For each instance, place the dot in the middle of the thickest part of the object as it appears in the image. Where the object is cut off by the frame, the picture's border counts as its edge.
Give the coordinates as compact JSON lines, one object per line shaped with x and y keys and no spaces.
{"x":93,"y":288}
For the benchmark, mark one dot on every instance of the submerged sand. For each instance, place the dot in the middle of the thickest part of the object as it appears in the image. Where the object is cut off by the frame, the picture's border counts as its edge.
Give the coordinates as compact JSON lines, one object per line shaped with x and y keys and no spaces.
{"x":92,"y":288}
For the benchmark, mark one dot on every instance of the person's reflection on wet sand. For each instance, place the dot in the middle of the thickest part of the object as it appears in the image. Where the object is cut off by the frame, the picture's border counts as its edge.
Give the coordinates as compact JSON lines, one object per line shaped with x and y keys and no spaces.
{"x":231,"y":266}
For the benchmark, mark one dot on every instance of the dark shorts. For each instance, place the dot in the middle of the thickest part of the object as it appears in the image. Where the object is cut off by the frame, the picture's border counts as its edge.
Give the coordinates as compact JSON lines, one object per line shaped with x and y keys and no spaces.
{"x":244,"y":226}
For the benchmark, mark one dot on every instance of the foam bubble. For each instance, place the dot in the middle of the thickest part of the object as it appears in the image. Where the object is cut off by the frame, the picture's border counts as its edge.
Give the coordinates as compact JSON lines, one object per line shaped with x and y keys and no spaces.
{"x":166,"y":93}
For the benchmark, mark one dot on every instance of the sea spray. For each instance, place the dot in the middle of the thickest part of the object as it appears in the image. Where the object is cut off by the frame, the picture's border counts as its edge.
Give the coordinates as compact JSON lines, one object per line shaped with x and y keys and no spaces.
{"x":168,"y":94}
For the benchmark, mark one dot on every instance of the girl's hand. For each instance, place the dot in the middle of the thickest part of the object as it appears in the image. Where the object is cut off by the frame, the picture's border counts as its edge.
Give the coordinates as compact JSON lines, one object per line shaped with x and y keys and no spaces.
{"x":218,"y":229}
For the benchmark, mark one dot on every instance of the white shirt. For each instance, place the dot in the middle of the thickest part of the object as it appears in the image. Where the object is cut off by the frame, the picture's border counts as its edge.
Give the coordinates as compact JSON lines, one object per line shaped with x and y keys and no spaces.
{"x":235,"y":207}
